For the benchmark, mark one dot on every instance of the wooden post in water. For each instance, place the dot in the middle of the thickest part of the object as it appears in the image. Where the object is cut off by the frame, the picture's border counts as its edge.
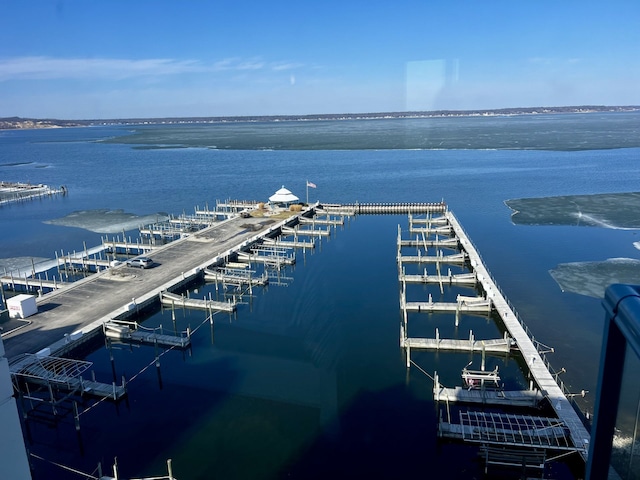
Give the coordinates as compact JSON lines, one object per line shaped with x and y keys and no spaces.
{"x":76,"y":416}
{"x":408,"y":355}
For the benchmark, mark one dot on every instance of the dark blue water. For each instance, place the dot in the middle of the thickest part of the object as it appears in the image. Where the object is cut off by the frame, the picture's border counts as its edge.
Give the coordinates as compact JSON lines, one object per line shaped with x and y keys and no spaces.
{"x":308,"y":380}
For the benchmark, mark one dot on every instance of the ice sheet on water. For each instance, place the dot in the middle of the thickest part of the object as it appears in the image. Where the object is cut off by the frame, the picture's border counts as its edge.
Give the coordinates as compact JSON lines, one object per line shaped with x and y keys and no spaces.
{"x":609,"y":210}
{"x":22,"y":264}
{"x":107,"y":221}
{"x":592,"y":278}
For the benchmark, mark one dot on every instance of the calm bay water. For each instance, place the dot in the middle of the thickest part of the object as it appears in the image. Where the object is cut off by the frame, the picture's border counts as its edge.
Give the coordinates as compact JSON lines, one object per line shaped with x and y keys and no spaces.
{"x":308,"y":380}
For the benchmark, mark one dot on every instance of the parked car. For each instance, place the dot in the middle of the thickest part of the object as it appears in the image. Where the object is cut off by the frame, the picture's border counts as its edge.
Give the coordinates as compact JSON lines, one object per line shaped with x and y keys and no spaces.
{"x":140,"y":262}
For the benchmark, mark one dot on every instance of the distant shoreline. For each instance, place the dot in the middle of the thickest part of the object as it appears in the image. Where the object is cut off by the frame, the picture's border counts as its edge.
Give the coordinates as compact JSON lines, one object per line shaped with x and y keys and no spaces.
{"x":19,"y":123}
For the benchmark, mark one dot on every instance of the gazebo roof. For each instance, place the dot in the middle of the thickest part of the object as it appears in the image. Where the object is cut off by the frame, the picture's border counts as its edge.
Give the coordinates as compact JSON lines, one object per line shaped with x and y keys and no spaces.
{"x":283,"y":196}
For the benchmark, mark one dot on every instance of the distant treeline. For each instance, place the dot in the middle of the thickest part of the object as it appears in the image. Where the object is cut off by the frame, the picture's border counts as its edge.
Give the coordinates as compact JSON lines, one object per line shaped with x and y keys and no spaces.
{"x":21,"y":123}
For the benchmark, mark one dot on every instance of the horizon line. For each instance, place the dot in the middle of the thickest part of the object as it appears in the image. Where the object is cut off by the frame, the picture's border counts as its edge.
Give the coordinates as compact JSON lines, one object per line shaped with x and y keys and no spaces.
{"x":337,"y":115}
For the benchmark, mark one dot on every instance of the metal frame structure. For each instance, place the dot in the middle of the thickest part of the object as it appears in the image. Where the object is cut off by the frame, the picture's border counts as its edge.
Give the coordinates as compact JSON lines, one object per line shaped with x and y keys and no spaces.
{"x":621,"y":332}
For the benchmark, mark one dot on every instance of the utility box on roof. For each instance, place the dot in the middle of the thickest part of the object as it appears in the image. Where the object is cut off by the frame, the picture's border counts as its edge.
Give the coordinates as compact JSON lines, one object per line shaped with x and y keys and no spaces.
{"x":22,"y":306}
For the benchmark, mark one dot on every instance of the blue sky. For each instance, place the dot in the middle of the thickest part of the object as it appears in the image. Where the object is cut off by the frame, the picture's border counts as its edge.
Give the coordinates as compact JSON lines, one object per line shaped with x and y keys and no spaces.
{"x":142,"y":58}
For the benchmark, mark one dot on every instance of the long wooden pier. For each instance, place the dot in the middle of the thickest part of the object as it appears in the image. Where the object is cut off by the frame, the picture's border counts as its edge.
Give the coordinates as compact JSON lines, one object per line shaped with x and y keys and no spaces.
{"x":391,"y":208}
{"x":539,"y":371}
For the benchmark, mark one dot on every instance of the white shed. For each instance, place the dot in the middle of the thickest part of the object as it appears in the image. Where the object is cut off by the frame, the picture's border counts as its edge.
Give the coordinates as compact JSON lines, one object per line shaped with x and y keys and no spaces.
{"x":22,"y":306}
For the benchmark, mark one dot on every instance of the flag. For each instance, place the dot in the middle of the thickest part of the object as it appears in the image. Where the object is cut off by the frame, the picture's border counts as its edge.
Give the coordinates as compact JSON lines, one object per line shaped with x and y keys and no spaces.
{"x":312,"y":185}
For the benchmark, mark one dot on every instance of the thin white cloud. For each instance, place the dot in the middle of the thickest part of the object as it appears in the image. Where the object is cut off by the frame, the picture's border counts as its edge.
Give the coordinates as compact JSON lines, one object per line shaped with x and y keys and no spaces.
{"x":278,"y":67}
{"x":47,"y":68}
{"x":236,"y":63}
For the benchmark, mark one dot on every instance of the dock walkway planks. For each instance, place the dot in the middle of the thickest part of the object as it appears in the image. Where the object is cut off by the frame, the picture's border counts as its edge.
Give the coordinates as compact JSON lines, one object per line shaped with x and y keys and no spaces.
{"x":493,"y":345}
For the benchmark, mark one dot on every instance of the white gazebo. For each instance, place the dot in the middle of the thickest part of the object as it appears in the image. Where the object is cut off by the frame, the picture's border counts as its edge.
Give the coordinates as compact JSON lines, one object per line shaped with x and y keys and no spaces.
{"x":283,"y":196}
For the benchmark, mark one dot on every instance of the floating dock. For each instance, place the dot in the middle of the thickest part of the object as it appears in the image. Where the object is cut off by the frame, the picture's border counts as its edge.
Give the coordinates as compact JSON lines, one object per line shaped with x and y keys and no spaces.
{"x":452,"y":259}
{"x":477,"y":305}
{"x":173,"y":300}
{"x":312,"y":232}
{"x":277,"y":242}
{"x":503,"y":398}
{"x":316,"y":220}
{"x":465,"y":279}
{"x":494,"y":345}
{"x":133,"y":332}
{"x":235,"y":276}
{"x":273,"y":256}
{"x":450,"y":243}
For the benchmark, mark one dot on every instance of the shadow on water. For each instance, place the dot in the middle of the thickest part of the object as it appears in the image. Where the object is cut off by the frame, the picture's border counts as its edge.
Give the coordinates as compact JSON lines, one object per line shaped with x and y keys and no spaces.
{"x":139,"y":432}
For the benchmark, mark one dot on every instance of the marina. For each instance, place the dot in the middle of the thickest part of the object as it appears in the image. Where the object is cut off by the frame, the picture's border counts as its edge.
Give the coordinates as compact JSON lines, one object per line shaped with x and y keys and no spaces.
{"x":481,"y":386}
{"x":338,"y":313}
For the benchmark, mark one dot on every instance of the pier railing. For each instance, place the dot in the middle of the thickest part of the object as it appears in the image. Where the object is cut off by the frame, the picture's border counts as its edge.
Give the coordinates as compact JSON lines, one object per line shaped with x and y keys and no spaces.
{"x":540,"y":347}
